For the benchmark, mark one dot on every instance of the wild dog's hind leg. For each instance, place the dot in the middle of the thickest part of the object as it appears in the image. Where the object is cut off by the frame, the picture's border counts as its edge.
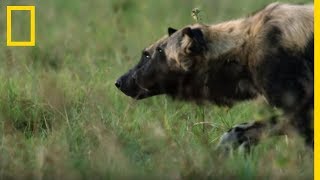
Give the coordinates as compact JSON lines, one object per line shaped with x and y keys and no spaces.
{"x":246,"y":135}
{"x":287,"y":83}
{"x":302,"y":120}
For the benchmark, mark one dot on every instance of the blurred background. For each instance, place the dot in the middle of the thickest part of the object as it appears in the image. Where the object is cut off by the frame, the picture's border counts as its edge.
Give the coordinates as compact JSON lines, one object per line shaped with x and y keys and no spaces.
{"x":62,"y":117}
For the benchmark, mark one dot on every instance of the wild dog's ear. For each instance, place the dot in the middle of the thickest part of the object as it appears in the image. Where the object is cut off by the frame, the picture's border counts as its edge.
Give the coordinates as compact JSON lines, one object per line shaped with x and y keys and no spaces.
{"x":171,"y":31}
{"x":193,"y":40}
{"x":187,"y":31}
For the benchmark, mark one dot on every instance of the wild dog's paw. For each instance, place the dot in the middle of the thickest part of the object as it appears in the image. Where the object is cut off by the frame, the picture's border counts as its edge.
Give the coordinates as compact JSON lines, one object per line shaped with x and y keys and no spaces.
{"x":241,"y":136}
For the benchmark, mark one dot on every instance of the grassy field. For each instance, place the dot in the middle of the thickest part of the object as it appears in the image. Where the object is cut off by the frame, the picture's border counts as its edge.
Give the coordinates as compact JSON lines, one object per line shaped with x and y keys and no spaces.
{"x":62,"y":118}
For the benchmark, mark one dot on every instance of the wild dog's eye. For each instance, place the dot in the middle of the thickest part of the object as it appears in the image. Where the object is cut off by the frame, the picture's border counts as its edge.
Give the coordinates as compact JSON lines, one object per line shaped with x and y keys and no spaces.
{"x":146,"y":55}
{"x":159,"y":50}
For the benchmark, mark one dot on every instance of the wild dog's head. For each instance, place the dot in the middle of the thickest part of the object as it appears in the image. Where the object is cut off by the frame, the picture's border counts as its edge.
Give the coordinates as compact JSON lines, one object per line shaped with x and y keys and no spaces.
{"x":166,"y":65}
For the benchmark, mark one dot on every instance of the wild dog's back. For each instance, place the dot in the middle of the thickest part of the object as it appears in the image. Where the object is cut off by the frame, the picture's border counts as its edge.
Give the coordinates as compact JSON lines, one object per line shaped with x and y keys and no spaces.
{"x":293,"y":22}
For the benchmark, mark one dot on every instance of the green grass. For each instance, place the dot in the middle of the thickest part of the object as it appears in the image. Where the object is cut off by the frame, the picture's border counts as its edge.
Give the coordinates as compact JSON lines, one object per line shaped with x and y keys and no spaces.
{"x":62,"y":117}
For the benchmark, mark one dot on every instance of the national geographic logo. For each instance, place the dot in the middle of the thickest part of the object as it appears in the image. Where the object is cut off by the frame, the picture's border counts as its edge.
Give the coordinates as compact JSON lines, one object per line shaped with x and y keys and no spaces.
{"x":32,"y":41}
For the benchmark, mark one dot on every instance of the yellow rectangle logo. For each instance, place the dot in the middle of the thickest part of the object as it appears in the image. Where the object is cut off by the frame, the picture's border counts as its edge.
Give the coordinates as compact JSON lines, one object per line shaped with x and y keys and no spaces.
{"x":32,"y":26}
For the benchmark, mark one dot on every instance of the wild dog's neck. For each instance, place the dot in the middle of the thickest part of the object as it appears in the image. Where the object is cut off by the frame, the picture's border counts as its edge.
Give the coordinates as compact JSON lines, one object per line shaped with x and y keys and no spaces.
{"x":226,"y":37}
{"x":226,"y":65}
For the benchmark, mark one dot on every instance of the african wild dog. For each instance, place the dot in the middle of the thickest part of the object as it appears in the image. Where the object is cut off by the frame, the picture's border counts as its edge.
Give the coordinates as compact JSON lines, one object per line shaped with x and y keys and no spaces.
{"x":269,"y":53}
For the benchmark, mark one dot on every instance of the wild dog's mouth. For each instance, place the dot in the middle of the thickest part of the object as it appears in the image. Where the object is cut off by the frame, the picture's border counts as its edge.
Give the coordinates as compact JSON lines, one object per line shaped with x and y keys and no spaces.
{"x":145,"y":93}
{"x":131,"y":87}
{"x":142,"y":93}
{"x":134,"y":76}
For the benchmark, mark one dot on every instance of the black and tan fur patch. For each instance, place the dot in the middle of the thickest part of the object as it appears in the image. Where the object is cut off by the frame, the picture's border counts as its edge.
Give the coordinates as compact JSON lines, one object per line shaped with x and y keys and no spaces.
{"x":269,"y":53}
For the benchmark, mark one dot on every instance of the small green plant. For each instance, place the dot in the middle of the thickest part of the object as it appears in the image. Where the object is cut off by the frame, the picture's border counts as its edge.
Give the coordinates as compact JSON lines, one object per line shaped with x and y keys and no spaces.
{"x":196,"y":14}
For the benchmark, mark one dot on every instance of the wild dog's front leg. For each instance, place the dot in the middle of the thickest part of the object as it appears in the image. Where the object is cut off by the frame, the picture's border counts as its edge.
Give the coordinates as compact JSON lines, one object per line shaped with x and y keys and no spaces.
{"x":245,"y":135}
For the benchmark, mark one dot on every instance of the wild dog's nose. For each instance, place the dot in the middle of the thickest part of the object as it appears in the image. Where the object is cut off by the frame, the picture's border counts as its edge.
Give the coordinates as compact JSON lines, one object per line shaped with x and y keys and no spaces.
{"x":118,"y":83}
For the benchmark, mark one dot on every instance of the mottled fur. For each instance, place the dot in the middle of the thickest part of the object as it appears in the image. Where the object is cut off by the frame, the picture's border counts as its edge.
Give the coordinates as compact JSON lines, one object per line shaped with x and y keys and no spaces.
{"x":268,"y":53}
